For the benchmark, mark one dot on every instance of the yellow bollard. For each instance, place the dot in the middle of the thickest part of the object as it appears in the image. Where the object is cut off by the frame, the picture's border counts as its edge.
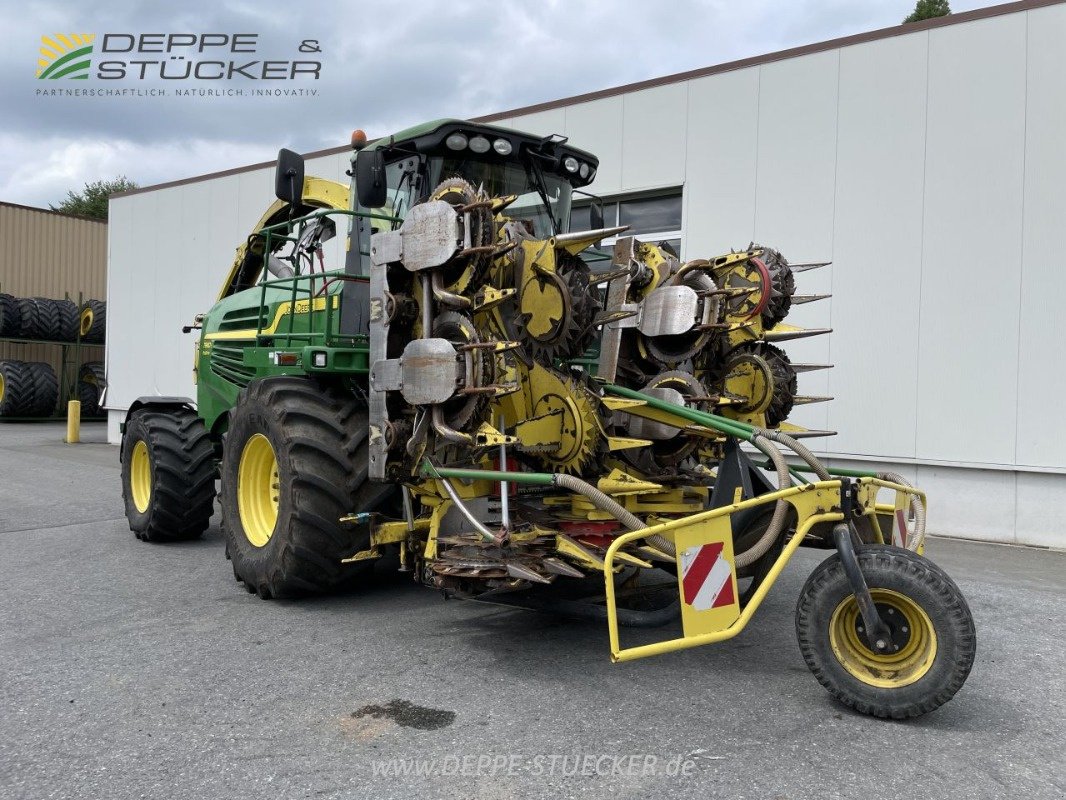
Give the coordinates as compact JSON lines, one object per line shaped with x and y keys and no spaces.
{"x":73,"y":421}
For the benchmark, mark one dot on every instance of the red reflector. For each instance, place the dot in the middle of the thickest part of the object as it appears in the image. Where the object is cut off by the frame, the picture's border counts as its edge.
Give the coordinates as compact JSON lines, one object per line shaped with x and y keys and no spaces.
{"x":287,"y":359}
{"x":603,"y":529}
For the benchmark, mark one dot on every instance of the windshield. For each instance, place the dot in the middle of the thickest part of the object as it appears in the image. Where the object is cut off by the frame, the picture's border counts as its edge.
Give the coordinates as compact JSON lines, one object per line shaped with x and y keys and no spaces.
{"x":403,"y":188}
{"x":547,"y":214}
{"x":506,"y":178}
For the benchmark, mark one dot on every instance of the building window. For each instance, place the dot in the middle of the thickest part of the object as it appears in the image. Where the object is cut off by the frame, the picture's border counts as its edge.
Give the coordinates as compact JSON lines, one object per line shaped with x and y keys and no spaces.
{"x":651,"y":218}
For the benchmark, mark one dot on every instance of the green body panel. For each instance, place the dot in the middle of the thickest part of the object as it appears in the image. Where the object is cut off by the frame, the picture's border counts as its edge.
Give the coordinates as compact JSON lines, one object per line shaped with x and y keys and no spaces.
{"x":238,"y":343}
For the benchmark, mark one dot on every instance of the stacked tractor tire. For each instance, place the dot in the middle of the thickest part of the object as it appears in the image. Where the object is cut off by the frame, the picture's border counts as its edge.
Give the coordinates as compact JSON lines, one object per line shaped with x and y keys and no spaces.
{"x":31,"y":388}
{"x":44,"y":319}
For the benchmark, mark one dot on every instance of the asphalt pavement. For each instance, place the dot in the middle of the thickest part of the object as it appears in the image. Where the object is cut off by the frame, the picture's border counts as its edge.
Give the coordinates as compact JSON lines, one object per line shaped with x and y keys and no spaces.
{"x":130,"y":670}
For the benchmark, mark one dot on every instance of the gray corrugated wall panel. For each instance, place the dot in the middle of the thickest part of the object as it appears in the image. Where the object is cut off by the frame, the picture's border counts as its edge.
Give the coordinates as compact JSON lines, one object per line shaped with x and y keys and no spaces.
{"x":44,"y":254}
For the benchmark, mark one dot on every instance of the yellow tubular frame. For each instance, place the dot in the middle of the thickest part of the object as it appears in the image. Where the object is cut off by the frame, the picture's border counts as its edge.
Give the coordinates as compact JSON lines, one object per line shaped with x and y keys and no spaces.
{"x":814,"y":503}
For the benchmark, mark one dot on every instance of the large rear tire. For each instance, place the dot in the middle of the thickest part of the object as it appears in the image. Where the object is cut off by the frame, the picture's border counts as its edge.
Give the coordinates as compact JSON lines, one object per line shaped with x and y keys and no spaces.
{"x":48,"y":319}
{"x":45,"y":389}
{"x":93,"y":320}
{"x":29,"y":315}
{"x":168,"y":475}
{"x":294,"y":462}
{"x":10,"y":316}
{"x":930,"y":624}
{"x":16,"y":389}
{"x":69,"y":320}
{"x":91,"y":384}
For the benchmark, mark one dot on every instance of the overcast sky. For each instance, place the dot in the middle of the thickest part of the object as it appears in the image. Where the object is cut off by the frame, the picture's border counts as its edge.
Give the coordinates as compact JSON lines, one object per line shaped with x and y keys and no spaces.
{"x":384,"y":66}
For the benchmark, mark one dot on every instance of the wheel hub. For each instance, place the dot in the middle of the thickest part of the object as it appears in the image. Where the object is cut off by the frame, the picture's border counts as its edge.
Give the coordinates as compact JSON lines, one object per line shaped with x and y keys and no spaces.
{"x":140,"y":476}
{"x":258,"y":490}
{"x":912,"y":633}
{"x":899,"y":631}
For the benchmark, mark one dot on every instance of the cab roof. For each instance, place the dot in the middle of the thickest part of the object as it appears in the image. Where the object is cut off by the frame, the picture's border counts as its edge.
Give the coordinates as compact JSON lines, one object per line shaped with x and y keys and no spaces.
{"x":429,"y":137}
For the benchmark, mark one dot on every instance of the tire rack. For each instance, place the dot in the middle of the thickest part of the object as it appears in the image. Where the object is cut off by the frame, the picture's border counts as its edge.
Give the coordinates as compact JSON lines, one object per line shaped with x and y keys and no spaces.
{"x":68,"y":372}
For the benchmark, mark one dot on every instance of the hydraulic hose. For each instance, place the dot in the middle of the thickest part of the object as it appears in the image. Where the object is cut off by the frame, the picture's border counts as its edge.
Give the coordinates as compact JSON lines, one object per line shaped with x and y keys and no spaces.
{"x":607,"y":504}
{"x":917,"y":508}
{"x":457,"y":501}
{"x":748,"y":433}
{"x":485,"y":533}
{"x":780,"y":517}
{"x":799,"y":449}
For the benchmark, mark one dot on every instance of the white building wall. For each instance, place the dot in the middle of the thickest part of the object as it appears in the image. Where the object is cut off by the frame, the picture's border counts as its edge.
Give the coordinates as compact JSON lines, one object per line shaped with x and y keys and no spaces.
{"x":168,"y":252}
{"x":928,"y":166}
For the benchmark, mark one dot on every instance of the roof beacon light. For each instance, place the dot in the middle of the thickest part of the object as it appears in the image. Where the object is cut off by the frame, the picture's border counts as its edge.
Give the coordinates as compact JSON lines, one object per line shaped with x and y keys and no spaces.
{"x":358,"y":139}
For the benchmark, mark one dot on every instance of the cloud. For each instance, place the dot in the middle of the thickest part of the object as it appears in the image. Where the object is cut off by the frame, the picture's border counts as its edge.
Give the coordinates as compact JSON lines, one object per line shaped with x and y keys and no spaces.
{"x":384,"y":67}
{"x":42,"y":170}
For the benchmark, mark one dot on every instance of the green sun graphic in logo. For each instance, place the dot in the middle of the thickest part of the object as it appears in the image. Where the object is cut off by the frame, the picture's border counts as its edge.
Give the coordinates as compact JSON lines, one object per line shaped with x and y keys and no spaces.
{"x":65,"y":55}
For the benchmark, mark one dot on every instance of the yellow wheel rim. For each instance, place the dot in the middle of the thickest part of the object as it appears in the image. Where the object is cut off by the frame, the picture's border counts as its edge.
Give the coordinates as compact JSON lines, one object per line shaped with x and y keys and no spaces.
{"x":258,"y":490}
{"x":141,"y":476}
{"x":86,"y":320}
{"x":1,"y":387}
{"x":893,"y":670}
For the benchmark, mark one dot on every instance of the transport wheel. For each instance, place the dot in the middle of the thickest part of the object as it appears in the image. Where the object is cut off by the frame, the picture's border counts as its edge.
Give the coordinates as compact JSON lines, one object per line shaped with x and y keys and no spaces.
{"x":44,"y":392}
{"x":929,"y":621}
{"x":93,"y":320}
{"x":16,"y":389}
{"x":294,"y":462}
{"x":168,"y":475}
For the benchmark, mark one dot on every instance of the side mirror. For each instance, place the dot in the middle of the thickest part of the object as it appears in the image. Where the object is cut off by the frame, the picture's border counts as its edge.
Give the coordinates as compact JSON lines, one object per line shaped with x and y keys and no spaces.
{"x":370,"y":187}
{"x":289,"y":178}
{"x":596,"y":214}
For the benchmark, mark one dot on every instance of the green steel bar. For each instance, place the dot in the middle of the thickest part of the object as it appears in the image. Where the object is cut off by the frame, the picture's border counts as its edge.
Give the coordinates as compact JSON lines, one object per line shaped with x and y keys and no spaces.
{"x":838,"y":471}
{"x":538,"y":478}
{"x":741,"y":430}
{"x":326,"y":212}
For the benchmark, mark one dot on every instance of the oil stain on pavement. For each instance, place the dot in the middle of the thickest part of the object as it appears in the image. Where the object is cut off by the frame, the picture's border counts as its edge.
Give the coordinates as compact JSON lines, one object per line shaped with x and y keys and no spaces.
{"x":408,"y":715}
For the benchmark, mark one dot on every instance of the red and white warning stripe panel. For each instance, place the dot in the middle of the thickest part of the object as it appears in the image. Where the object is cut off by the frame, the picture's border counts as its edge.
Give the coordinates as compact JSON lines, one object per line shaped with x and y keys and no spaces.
{"x":707,"y":577}
{"x":899,"y":530}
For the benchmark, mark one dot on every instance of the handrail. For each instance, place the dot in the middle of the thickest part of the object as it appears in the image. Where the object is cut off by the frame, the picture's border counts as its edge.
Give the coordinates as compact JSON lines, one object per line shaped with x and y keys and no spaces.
{"x":269,"y":235}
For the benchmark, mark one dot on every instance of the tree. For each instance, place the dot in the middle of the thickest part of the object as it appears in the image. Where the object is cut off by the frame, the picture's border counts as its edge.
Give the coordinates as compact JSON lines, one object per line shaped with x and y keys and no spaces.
{"x":927,"y":9}
{"x":92,"y":200}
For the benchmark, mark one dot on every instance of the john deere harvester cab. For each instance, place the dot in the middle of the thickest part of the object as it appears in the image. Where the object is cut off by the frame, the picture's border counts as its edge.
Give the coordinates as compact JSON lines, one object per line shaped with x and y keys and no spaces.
{"x":424,"y":365}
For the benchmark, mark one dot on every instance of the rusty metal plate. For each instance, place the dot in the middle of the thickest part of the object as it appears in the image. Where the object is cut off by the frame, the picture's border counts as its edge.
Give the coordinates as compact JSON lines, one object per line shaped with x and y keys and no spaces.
{"x":641,"y":428}
{"x":429,"y":371}
{"x":669,"y":311}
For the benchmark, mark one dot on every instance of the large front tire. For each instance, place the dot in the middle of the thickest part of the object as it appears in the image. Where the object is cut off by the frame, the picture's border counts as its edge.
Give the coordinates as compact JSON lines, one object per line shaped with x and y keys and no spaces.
{"x":930,"y":623}
{"x":294,"y":462}
{"x":168,"y":475}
